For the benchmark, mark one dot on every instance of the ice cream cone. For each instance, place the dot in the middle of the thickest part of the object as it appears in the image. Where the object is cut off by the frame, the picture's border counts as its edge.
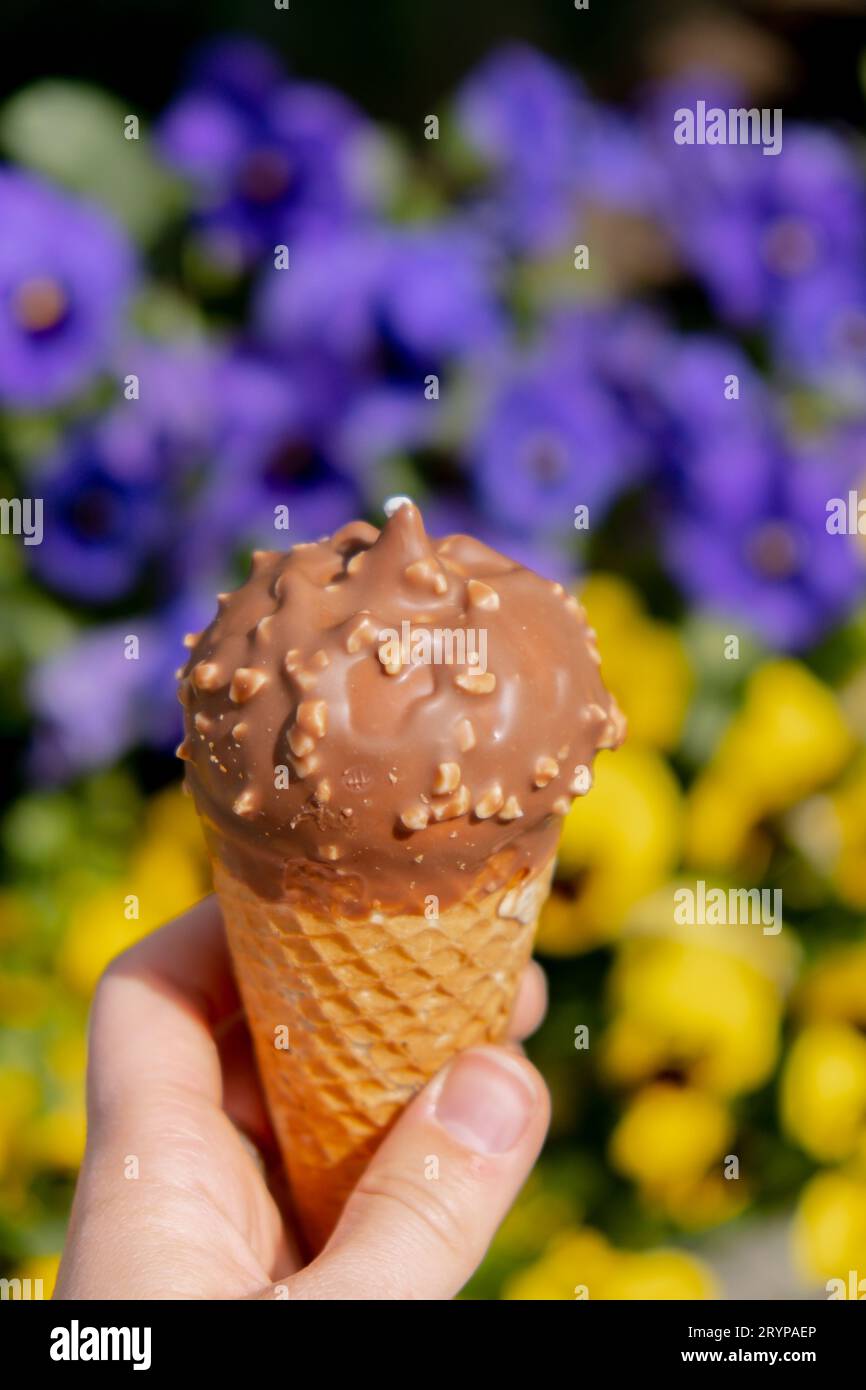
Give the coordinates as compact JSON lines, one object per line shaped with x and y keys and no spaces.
{"x":382,"y":736}
{"x":349,"y":1019}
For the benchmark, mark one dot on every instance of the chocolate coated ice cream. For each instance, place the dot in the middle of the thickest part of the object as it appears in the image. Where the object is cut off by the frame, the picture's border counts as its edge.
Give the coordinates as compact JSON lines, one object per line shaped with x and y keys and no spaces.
{"x":377,"y":718}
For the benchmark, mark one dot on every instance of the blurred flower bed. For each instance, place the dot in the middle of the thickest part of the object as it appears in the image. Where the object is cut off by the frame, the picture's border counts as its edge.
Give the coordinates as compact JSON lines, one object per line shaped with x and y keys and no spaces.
{"x":165,"y":386}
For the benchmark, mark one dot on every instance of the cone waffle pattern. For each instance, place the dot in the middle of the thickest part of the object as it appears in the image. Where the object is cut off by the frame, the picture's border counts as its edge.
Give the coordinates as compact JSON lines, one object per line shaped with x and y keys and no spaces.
{"x":372,"y":1010}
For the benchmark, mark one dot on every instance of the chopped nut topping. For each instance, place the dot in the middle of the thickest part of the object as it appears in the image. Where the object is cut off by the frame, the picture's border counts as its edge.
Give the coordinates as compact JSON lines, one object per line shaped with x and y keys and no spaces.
{"x":205,"y":675}
{"x":306,"y":678}
{"x":390,"y":660}
{"x":456,"y":805}
{"x":447,"y":778}
{"x":581,"y":780}
{"x":323,"y":790}
{"x":482,"y":596}
{"x":591,"y":646}
{"x":474,"y":683}
{"x":330,"y":852}
{"x":312,"y":717}
{"x":425,"y":574}
{"x":203,"y":724}
{"x":415,"y":817}
{"x":545,"y":771}
{"x":614,"y":729}
{"x":300,"y":743}
{"x":490,"y":802}
{"x":363,"y":634}
{"x":190,"y":638}
{"x":562,"y":805}
{"x":292,"y":660}
{"x":512,"y":809}
{"x":183,"y":751}
{"x":245,"y":682}
{"x":245,"y":804}
{"x":465,"y":735}
{"x":240,"y":731}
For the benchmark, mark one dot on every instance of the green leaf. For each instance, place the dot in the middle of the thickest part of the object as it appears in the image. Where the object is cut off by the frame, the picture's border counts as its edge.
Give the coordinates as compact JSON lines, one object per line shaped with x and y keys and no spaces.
{"x":74,"y":134}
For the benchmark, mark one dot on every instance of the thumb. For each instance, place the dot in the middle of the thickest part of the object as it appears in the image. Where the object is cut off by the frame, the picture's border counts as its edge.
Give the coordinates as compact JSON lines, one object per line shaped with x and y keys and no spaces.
{"x":420,"y":1219}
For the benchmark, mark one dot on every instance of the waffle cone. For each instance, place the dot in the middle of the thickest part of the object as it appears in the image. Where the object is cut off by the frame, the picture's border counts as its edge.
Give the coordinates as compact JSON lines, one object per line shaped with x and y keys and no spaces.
{"x":350,"y":1018}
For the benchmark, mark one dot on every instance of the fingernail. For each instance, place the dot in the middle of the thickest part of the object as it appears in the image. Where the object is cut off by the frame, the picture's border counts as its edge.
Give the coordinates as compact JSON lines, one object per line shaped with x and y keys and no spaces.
{"x":485,"y":1101}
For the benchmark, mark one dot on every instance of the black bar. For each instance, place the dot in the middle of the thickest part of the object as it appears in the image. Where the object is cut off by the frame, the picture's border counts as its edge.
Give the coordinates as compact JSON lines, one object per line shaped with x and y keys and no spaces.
{"x":242,"y":1338}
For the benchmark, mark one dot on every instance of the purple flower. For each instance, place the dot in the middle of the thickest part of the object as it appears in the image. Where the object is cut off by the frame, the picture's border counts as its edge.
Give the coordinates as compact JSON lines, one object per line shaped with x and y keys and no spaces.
{"x":91,"y":701}
{"x":116,"y":489}
{"x":751,"y":225}
{"x":100,"y":696}
{"x":550,"y":437}
{"x":66,"y":271}
{"x":770,"y":563}
{"x":818,"y":328}
{"x":620,"y":348}
{"x":622,"y":170}
{"x":272,"y":450}
{"x":104,"y":510}
{"x":269,"y":158}
{"x":526,"y":119}
{"x":400,"y":302}
{"x":381,"y":424}
{"x":702,"y":427}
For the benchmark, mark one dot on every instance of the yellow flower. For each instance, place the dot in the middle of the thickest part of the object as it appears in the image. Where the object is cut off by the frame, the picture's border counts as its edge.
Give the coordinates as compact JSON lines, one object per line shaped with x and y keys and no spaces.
{"x":660,"y":1274}
{"x":67,"y":1058}
{"x":98,"y":931}
{"x":41,"y":1270}
{"x":709,"y":1201}
{"x":19,"y":1099}
{"x":789,"y":739}
{"x":823,"y":1095}
{"x":835,"y":988}
{"x":574,"y":1260}
{"x":167,"y":874}
{"x":618,"y":844}
{"x":830,"y":1227}
{"x":644,"y":661}
{"x":537,"y":1215}
{"x":55,"y":1139}
{"x":848,"y":808}
{"x":23,"y":998}
{"x":670,"y":1135}
{"x":172,"y":816}
{"x":581,"y":1264}
{"x":707,"y":1014}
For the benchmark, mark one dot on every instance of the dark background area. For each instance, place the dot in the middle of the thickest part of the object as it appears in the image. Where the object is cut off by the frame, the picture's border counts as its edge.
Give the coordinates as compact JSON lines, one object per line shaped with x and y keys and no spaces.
{"x":376,"y":50}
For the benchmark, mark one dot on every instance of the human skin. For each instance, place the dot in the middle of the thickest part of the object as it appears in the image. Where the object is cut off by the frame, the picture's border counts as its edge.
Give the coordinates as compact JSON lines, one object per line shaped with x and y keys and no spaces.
{"x":172,"y":1085}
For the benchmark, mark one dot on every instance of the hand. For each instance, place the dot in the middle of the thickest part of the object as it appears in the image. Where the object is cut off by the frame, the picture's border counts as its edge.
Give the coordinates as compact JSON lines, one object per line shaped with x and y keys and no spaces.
{"x":181,"y":1193}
